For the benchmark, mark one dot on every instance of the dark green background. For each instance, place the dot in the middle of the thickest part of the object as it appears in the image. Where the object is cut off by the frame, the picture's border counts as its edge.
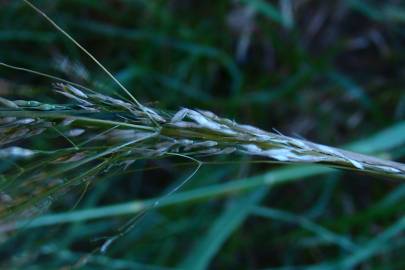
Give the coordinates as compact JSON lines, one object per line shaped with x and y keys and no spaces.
{"x":331,"y":71}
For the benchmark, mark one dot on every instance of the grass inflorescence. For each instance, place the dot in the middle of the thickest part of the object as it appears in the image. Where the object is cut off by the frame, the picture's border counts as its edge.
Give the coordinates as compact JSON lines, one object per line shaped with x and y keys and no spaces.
{"x":130,"y":133}
{"x":69,"y":155}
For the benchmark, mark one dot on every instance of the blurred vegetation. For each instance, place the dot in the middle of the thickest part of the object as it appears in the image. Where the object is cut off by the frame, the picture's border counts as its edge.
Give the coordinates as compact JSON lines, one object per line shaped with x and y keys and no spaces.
{"x":329,"y":71}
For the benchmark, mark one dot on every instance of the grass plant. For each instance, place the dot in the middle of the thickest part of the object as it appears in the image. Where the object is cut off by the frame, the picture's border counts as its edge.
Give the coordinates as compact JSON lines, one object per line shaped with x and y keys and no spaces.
{"x":52,"y":147}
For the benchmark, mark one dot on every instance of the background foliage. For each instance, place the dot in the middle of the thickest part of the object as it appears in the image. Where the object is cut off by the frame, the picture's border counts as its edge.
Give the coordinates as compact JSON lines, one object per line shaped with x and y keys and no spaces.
{"x":329,"y":71}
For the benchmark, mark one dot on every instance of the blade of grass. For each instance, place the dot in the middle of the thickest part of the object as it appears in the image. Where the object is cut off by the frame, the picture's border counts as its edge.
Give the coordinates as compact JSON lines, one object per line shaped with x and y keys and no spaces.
{"x":227,"y":223}
{"x":368,"y":250}
{"x":307,"y":224}
{"x":374,"y":246}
